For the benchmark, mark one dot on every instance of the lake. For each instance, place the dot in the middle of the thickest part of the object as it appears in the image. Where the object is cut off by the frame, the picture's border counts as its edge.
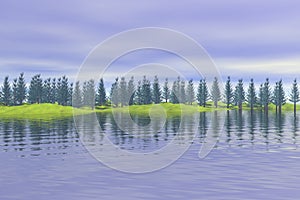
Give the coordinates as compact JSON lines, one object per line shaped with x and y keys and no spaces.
{"x":254,"y":157}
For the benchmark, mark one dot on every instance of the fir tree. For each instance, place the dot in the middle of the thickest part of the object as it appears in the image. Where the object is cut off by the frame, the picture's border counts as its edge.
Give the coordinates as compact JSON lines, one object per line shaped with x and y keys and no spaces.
{"x":123,"y":92}
{"x":174,"y":98}
{"x":182,"y":93}
{"x":294,"y":95}
{"x":77,"y":96}
{"x":114,"y":93}
{"x":131,"y":91}
{"x":266,"y":95}
{"x":156,"y":91}
{"x":21,"y":89}
{"x":278,"y":96}
{"x":251,"y":95}
{"x":138,"y":94}
{"x":190,"y":92}
{"x":228,"y":93}
{"x":15,"y":92}
{"x":215,"y":92}
{"x":35,"y":89}
{"x":239,"y":94}
{"x":101,"y":94}
{"x":53,"y":96}
{"x":146,"y":91}
{"x":166,"y":91}
{"x":6,"y":92}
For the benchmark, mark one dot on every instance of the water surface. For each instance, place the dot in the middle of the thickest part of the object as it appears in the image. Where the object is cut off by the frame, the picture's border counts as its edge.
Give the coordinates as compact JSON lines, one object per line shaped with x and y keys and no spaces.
{"x":256,"y":157}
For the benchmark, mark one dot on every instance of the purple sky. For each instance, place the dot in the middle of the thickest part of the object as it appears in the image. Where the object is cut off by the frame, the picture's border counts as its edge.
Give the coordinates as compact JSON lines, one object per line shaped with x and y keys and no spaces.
{"x":244,"y":38}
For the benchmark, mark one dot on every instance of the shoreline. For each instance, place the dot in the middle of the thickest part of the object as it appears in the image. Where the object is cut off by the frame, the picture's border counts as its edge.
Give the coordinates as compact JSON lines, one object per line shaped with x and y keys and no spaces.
{"x":48,"y":111}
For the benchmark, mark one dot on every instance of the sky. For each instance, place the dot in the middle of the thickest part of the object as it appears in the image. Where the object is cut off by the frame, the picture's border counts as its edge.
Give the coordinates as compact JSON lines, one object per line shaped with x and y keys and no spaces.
{"x":245,"y":39}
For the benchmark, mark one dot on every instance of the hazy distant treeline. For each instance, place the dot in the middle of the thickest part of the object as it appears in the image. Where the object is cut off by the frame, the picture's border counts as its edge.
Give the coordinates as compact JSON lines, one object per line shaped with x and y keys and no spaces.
{"x":128,"y":92}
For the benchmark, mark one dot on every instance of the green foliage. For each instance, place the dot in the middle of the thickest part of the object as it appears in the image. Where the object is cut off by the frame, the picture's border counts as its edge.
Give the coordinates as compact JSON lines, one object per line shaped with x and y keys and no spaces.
{"x":174,"y":98}
{"x":131,"y":91}
{"x":228,"y":93}
{"x":156,"y":92}
{"x":21,"y":89}
{"x":190,"y":96}
{"x":146,"y":91}
{"x":89,"y":93}
{"x":77,"y":95}
{"x":35,"y":89}
{"x":202,"y":94}
{"x":251,"y":95}
{"x":215,"y":92}
{"x":6,"y":92}
{"x":294,"y":95}
{"x":278,"y":95}
{"x":166,"y":91}
{"x":239,"y":94}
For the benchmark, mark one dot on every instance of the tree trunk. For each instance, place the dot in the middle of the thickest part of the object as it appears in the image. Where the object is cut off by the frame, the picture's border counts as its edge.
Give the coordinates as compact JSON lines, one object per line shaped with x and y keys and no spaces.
{"x":240,"y":106}
{"x":295,"y":108}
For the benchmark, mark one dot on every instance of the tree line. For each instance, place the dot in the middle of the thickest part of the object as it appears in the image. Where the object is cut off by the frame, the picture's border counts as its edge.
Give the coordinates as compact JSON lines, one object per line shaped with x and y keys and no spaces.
{"x":126,"y":93}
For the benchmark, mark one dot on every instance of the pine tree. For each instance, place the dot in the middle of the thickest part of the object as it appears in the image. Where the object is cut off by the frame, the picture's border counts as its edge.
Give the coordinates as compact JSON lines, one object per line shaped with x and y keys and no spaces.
{"x":261,"y":95}
{"x":63,"y":91}
{"x":228,"y":93}
{"x":239,"y":94}
{"x":200,"y":93}
{"x":146,"y":91}
{"x":190,"y":92}
{"x":21,"y":89}
{"x":53,"y":96}
{"x":15,"y":92}
{"x":266,"y":95}
{"x":138,"y":94}
{"x":156,"y":91}
{"x":89,"y":94}
{"x":182,"y":93}
{"x":6,"y":92}
{"x":131,"y":91}
{"x":294,"y":95}
{"x":278,"y":96}
{"x":70,"y":95}
{"x":251,"y":95}
{"x":114,"y":93}
{"x":123,"y":92}
{"x":35,"y":89}
{"x":77,"y":96}
{"x":46,"y":96}
{"x":166,"y":91}
{"x":215,"y":92}
{"x":101,"y":94}
{"x":174,"y":98}
{"x":204,"y":94}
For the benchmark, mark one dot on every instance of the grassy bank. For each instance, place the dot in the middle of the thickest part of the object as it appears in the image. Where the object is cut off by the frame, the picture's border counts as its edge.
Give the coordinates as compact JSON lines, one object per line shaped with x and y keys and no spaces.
{"x":54,"y":111}
{"x":38,"y":111}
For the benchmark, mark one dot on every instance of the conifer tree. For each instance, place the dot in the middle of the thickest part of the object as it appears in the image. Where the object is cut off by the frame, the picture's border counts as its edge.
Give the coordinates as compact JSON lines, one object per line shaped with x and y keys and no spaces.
{"x":239,"y":94}
{"x":35,"y":89}
{"x":156,"y":92}
{"x":131,"y":91}
{"x":15,"y":92}
{"x":21,"y":89}
{"x":166,"y":91}
{"x":294,"y":95}
{"x":101,"y":94}
{"x":190,"y":92}
{"x":6,"y":92}
{"x":228,"y":93}
{"x":77,"y":96}
{"x":215,"y":92}
{"x":251,"y":95}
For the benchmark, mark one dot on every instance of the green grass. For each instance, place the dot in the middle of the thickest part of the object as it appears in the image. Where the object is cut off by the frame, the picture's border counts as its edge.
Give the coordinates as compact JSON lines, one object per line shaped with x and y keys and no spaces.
{"x":54,"y":111}
{"x":39,"y":111}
